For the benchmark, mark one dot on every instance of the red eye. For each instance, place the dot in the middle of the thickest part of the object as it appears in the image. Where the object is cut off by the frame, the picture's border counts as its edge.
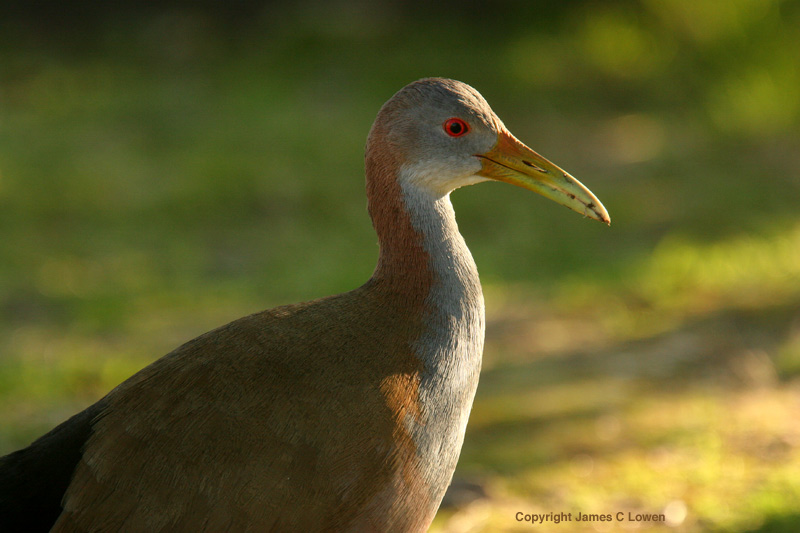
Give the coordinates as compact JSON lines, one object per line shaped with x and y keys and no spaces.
{"x":455,"y":127}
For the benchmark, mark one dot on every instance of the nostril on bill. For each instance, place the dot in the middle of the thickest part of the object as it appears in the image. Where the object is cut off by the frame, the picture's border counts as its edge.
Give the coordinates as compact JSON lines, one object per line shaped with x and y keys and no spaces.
{"x":535,"y":167}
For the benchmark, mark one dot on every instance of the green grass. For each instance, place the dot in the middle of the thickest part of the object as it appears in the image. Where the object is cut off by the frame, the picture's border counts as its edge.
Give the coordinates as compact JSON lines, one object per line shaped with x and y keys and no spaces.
{"x":166,"y":174}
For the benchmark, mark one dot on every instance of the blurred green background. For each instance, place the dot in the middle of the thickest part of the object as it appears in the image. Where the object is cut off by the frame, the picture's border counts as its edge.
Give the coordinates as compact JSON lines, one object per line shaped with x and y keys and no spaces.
{"x":166,"y":169}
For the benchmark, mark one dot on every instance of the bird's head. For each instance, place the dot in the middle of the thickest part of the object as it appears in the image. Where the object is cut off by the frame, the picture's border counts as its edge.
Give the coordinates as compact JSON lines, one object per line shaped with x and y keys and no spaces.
{"x":441,"y":134}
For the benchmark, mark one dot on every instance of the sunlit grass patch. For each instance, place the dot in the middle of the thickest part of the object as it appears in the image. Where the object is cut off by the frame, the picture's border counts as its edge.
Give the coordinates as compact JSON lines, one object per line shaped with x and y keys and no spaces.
{"x":682,"y":273}
{"x":685,"y":278}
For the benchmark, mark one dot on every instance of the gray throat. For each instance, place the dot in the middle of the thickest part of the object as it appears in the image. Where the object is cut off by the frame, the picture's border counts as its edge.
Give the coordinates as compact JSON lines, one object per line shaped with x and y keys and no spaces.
{"x":452,"y":346}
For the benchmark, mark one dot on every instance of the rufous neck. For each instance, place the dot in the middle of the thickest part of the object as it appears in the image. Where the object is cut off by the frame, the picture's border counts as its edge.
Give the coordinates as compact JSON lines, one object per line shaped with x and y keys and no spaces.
{"x":402,"y":256}
{"x":417,"y":232}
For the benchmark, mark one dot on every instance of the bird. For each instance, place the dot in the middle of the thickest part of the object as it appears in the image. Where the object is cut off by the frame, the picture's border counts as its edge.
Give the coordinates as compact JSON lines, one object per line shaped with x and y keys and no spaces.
{"x":345,"y":413}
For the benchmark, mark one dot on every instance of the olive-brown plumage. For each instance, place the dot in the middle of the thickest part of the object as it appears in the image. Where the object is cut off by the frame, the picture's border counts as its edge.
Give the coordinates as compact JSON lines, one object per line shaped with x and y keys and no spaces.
{"x":341,"y":414}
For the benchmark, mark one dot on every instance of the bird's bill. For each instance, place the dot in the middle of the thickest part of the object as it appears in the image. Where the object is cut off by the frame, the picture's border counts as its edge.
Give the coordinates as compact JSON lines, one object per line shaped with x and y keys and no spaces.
{"x":513,"y":162}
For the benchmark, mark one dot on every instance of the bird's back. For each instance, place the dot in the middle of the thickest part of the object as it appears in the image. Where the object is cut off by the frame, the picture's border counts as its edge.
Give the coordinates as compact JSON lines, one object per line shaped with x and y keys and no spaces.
{"x":291,"y":419}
